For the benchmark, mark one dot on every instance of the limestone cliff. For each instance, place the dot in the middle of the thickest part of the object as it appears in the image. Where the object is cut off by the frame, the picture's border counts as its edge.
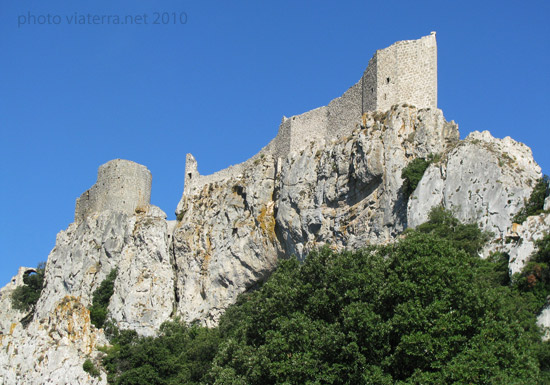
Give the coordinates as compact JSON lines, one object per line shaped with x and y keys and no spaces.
{"x":344,"y":190}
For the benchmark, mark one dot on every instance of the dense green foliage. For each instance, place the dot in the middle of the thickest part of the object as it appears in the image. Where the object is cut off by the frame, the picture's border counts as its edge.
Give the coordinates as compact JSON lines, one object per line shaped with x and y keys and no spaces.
{"x":179,"y":355}
{"x":412,"y":174}
{"x":535,"y":204}
{"x":89,"y":367}
{"x":534,"y":280}
{"x":416,"y":312}
{"x":466,"y":237}
{"x":425,"y":310}
{"x":100,"y":300}
{"x":24,"y":297}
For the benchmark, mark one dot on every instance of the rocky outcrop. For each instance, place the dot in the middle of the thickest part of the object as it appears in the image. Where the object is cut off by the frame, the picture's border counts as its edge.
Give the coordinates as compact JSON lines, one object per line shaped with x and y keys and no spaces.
{"x":346,"y":193}
{"x":9,"y":315}
{"x":60,"y":337}
{"x":144,"y":294}
{"x":51,"y":350}
{"x":482,"y":180}
{"x":349,"y":193}
{"x":332,"y":176}
{"x":520,"y":242}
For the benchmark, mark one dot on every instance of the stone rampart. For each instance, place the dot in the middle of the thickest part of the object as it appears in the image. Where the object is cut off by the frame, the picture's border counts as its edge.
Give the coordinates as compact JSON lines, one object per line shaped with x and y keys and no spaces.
{"x":405,"y":72}
{"x":121,"y":186}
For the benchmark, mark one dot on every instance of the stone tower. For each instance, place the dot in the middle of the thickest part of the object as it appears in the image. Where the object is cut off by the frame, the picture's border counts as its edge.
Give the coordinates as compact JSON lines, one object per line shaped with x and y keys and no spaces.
{"x":122,"y":185}
{"x":405,"y":72}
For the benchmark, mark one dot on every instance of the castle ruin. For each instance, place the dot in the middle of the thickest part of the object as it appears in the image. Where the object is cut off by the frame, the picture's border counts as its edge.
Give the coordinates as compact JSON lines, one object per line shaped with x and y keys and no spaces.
{"x":122,"y":185}
{"x":405,"y":72}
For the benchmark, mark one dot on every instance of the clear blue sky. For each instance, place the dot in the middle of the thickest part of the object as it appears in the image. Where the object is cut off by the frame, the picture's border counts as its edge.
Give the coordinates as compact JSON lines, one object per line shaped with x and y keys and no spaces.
{"x":74,"y":96}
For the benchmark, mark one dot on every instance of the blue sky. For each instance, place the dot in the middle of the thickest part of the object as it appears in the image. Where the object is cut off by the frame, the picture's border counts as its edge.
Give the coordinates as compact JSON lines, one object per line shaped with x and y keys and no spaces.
{"x":74,"y":96}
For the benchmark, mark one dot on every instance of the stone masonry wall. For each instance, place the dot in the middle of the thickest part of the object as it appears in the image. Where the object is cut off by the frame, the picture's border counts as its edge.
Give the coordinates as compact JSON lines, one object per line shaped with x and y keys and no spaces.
{"x":405,"y":72}
{"x":122,"y":185}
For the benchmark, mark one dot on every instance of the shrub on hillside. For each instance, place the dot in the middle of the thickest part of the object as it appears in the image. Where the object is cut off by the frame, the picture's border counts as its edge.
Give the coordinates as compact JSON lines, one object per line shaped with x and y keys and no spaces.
{"x":100,"y":300}
{"x":412,"y":174}
{"x":535,"y":204}
{"x":24,"y":297}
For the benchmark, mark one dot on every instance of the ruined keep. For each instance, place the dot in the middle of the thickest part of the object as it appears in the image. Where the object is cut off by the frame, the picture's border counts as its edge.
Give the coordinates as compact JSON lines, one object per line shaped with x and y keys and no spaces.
{"x":405,"y":72}
{"x":122,"y":185}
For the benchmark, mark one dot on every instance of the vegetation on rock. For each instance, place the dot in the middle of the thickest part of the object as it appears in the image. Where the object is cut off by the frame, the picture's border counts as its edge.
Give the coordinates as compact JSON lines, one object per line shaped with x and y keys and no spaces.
{"x":534,"y":280}
{"x":424,"y":310}
{"x":180,"y":354}
{"x":413,"y":172}
{"x":100,"y":300}
{"x":24,"y":297}
{"x":535,"y":204}
{"x":89,"y":367}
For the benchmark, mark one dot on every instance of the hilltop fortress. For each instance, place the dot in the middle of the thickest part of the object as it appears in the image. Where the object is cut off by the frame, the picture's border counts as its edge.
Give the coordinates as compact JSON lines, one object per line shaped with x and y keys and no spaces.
{"x":122,"y":185}
{"x":405,"y":72}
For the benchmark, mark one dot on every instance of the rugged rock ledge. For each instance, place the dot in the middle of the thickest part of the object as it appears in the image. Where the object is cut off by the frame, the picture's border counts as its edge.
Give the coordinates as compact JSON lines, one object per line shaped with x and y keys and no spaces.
{"x":345,"y":191}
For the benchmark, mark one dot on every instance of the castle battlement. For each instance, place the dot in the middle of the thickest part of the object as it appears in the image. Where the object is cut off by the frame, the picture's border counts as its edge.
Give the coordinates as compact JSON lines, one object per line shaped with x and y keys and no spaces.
{"x":405,"y":72}
{"x":122,"y":185}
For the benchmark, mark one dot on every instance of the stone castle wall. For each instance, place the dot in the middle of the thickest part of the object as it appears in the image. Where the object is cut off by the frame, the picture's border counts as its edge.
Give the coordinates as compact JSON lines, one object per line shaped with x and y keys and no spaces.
{"x":405,"y":72}
{"x":122,"y":185}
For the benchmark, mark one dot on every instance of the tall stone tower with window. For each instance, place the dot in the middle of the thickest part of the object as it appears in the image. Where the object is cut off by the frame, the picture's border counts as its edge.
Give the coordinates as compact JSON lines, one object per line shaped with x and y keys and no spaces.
{"x":405,"y":72}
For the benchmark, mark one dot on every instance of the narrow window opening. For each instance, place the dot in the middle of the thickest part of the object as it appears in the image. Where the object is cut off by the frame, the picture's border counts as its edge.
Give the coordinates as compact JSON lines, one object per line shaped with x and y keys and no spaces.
{"x":388,"y":80}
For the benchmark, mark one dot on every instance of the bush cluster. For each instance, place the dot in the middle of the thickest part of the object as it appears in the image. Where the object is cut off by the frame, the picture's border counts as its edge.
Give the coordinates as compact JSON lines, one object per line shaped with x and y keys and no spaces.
{"x":425,"y":310}
{"x":89,"y":367}
{"x":100,"y":300}
{"x":535,"y":203}
{"x":413,"y":172}
{"x":24,"y":297}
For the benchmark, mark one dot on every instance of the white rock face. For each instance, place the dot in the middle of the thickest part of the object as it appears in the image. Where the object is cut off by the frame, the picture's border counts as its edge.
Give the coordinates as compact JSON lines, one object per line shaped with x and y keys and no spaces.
{"x":232,"y":229}
{"x":346,"y":193}
{"x":543,"y":321}
{"x":144,"y":289}
{"x":225,"y":243}
{"x":53,"y":349}
{"x":483,"y":180}
{"x":522,"y":245}
{"x":349,"y":193}
{"x":8,"y":315}
{"x":83,"y":256}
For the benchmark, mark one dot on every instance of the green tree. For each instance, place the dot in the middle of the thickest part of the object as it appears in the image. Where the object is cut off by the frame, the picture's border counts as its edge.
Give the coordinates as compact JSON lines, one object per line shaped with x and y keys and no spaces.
{"x":418,"y":311}
{"x":100,"y":300}
{"x":180,"y":354}
{"x":535,"y":204}
{"x":412,"y":174}
{"x":24,"y":297}
{"x":444,"y":225}
{"x":424,"y":310}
